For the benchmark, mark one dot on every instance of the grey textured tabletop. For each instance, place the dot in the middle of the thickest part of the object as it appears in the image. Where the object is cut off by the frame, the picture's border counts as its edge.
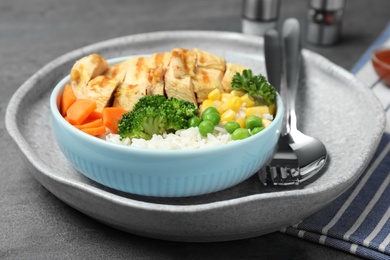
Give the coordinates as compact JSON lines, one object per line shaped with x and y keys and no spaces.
{"x":36,"y":225}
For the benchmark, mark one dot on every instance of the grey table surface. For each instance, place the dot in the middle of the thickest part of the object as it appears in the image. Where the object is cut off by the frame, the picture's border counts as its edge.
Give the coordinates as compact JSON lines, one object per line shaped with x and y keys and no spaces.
{"x":36,"y":225}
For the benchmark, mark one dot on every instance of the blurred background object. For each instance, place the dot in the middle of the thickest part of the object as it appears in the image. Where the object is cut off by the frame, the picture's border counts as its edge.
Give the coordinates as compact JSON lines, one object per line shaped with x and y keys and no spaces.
{"x":381,"y":62}
{"x":324,"y":21}
{"x":259,"y":15}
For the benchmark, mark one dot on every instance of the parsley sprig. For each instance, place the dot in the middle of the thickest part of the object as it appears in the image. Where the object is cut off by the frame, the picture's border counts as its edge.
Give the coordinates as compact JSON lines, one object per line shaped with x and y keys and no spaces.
{"x":254,"y":85}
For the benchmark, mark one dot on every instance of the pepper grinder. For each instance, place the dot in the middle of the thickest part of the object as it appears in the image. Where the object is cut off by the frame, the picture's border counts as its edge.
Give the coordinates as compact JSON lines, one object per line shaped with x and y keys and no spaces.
{"x":324,"y":21}
{"x":259,"y":15}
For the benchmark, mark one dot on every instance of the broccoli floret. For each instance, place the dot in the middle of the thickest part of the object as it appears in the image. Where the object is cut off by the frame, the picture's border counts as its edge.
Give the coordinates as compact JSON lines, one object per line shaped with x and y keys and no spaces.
{"x":156,"y":115}
{"x":185,"y":108}
{"x":150,"y":101}
{"x":178,"y":113}
{"x":142,"y":123}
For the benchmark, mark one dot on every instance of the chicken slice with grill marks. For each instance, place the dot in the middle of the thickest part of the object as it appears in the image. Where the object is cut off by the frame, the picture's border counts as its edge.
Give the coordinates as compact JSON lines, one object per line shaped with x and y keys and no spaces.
{"x":117,"y":71}
{"x":127,"y":95}
{"x":134,"y":85}
{"x":231,"y":70}
{"x":205,"y":81}
{"x":208,"y":60}
{"x":208,"y":74}
{"x":178,"y":77}
{"x":100,"y":89}
{"x":158,"y":65}
{"x":84,"y":70}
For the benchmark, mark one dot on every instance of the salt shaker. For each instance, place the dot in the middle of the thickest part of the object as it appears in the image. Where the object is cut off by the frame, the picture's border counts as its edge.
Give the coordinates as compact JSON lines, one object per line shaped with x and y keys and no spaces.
{"x":324,"y":20}
{"x":259,"y":15}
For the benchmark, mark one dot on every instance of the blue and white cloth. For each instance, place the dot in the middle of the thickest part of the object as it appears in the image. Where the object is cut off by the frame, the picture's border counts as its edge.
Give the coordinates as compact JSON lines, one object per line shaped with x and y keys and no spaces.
{"x":358,"y":221}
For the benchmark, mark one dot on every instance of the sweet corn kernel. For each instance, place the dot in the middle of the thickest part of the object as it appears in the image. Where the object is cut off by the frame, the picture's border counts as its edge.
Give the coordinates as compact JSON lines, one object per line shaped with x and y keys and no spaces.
{"x":228,"y":115}
{"x":238,"y":93}
{"x":241,"y":122}
{"x":272,"y":109}
{"x":225,"y":97}
{"x":237,"y":103}
{"x":266,"y":122}
{"x":218,"y":105}
{"x":226,"y":105}
{"x":233,"y":102}
{"x":257,"y":111}
{"x":263,"y":109}
{"x":214,"y":94}
{"x":249,"y":101}
{"x":205,"y":104}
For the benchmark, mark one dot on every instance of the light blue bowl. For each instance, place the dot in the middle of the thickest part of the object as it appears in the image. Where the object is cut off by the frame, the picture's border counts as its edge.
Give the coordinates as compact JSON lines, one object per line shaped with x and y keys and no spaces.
{"x":163,"y":173}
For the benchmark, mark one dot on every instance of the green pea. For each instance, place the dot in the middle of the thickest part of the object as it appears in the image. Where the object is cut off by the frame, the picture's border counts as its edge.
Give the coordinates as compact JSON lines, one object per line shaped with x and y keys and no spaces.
{"x":210,"y":110}
{"x":212,"y":117}
{"x":206,"y":127}
{"x":240,"y":133}
{"x":194,"y":121}
{"x":231,"y":126}
{"x":257,"y":130}
{"x":253,"y":121}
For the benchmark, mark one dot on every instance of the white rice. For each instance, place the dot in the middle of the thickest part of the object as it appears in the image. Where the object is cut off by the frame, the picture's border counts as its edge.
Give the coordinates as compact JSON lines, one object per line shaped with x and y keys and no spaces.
{"x":181,"y":140}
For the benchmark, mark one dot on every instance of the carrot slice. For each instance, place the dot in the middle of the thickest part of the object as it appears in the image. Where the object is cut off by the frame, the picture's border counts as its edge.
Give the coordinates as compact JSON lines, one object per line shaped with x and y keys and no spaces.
{"x":94,"y":115}
{"x":80,"y":110}
{"x":95,"y":130}
{"x":90,"y":124}
{"x":111,"y":117}
{"x":67,"y":99}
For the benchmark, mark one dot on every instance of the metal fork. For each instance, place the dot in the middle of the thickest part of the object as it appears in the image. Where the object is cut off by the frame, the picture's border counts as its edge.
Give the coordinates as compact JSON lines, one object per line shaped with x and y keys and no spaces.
{"x":283,"y":169}
{"x":298,"y":157}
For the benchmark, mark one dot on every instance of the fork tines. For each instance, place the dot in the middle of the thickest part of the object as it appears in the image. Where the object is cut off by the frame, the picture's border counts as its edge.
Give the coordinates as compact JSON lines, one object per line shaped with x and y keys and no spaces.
{"x":284,"y":167}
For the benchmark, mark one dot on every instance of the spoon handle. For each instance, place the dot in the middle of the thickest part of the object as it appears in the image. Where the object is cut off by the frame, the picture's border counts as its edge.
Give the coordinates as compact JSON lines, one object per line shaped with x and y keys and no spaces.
{"x":292,"y":53}
{"x":273,"y":57}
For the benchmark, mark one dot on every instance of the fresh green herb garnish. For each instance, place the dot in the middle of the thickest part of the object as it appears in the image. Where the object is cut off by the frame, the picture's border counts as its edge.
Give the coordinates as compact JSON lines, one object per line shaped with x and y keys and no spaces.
{"x":255,"y":86}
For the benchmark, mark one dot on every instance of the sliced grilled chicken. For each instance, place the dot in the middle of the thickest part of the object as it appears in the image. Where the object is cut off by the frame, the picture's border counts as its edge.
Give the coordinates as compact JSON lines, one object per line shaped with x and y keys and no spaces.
{"x":183,"y":62}
{"x":178,"y":76}
{"x":231,"y":70}
{"x":184,"y":74}
{"x":209,"y":60}
{"x":208,"y":74}
{"x":118,"y":71}
{"x":205,"y":81}
{"x":100,"y":89}
{"x":127,"y":95}
{"x":137,"y":71}
{"x":158,"y":65}
{"x":134,"y":85}
{"x":84,"y":70}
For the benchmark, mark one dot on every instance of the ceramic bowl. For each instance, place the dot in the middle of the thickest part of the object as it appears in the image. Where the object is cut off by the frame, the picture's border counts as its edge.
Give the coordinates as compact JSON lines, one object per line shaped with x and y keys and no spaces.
{"x":381,"y":61}
{"x":163,"y":173}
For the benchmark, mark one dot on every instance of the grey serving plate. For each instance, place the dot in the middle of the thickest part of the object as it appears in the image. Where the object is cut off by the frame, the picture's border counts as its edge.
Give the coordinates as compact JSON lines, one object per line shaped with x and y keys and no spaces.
{"x":332,"y":105}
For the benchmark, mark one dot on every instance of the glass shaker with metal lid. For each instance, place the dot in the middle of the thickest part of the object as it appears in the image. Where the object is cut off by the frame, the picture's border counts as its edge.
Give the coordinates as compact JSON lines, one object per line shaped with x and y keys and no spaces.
{"x":324,"y":20}
{"x":259,"y":15}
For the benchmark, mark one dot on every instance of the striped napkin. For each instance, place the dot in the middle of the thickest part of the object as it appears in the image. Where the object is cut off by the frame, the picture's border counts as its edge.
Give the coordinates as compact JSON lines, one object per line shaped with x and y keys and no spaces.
{"x":358,"y":221}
